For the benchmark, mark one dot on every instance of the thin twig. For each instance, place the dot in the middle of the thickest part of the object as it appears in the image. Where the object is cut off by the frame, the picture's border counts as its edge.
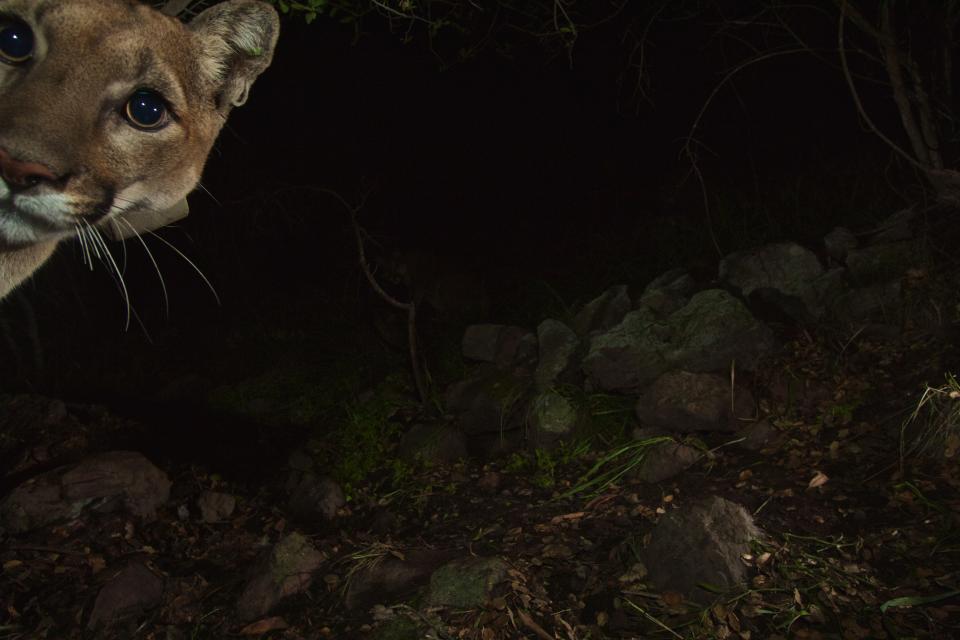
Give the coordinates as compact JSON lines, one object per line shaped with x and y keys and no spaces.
{"x":409,"y":307}
{"x":856,"y":96}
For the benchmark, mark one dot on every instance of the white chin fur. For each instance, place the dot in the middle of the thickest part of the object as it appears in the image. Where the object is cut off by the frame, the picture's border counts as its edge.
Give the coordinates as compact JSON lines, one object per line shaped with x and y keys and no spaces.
{"x":34,"y":218}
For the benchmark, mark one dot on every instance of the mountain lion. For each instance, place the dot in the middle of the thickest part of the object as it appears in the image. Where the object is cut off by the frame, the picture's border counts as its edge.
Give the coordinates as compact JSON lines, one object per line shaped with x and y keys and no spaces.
{"x":108,"y":109}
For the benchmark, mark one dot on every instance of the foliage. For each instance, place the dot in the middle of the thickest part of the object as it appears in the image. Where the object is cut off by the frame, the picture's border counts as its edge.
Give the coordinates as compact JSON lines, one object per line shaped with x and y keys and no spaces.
{"x":615,"y":465}
{"x":363,"y":441}
{"x":905,"y":48}
{"x":933,"y":428}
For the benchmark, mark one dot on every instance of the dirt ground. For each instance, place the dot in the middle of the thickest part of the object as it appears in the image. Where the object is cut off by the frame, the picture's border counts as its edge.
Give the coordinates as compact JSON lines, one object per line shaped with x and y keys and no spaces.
{"x":858,"y":505}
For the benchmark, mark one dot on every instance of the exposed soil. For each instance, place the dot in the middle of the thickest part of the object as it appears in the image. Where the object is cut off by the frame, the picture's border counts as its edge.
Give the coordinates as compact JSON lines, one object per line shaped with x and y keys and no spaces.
{"x":860,"y":542}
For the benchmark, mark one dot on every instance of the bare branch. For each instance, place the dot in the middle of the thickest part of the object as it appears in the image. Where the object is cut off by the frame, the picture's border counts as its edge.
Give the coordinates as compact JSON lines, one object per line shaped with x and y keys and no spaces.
{"x":856,"y":96}
{"x":409,"y":307}
{"x":894,"y":65}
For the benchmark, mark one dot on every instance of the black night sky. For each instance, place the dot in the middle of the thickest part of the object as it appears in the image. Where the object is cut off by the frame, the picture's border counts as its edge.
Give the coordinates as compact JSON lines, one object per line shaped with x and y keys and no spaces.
{"x":539,"y":178}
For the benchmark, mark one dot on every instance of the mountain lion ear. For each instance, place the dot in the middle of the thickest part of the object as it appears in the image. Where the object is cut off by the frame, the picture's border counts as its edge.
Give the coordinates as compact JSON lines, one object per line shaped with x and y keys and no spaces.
{"x":238,"y":38}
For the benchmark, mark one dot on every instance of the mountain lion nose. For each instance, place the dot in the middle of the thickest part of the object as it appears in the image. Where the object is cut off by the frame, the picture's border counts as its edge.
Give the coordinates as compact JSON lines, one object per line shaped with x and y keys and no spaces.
{"x":22,"y":175}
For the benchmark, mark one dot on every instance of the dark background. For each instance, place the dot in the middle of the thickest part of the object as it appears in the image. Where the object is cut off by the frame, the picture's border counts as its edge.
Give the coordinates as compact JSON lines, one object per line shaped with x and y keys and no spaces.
{"x":544,"y":181}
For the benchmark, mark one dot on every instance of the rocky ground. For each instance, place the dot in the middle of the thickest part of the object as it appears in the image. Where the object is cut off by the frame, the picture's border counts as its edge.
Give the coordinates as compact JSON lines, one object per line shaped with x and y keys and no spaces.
{"x":788,"y":495}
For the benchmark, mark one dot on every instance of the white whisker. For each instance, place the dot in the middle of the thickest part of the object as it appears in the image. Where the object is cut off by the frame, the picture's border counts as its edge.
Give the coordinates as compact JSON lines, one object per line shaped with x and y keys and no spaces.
{"x":207,"y":191}
{"x":98,"y":239}
{"x":91,"y":242}
{"x":84,"y":249}
{"x":189,"y":262}
{"x":163,"y":284}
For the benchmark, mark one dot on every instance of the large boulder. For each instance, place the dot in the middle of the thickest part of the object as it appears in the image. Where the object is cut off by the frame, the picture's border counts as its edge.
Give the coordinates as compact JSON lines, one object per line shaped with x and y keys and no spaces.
{"x":432,"y":443}
{"x":785,"y":274}
{"x":882,"y":262}
{"x":667,"y":292}
{"x":700,"y":545}
{"x":556,"y":363}
{"x":684,"y":402}
{"x":392,"y":578}
{"x":313,"y":497}
{"x":503,"y":345}
{"x":553,"y":417}
{"x":466,"y":583}
{"x":665,"y":460}
{"x":489,"y":400}
{"x":112,"y":481}
{"x":287,"y":569}
{"x":127,"y":593}
{"x":715,"y":329}
{"x":712,"y":330}
{"x":629,"y":355}
{"x":603,"y":312}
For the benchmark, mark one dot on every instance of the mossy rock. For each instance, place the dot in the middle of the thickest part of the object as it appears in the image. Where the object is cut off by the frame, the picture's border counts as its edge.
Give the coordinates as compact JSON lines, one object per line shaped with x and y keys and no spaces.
{"x":466,"y":583}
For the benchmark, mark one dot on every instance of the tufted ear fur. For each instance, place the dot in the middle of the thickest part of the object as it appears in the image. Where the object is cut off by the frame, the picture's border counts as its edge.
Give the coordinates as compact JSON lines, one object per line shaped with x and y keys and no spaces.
{"x":238,"y":39}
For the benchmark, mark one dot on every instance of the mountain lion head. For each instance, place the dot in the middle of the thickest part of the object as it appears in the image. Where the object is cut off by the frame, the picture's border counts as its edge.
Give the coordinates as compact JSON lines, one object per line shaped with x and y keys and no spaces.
{"x":108,"y":110}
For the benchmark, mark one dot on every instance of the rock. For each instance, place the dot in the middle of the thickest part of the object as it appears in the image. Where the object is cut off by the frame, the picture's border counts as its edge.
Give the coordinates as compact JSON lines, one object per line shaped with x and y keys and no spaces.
{"x":839,"y":242}
{"x":392,"y":579}
{"x":432,"y":444}
{"x":665,"y":460}
{"x":667,"y":292}
{"x":898,"y":226}
{"x":552,"y":418}
{"x":313,"y":496}
{"x":702,"y":543}
{"x":759,"y":436}
{"x":715,"y":329}
{"x":557,"y":349}
{"x":495,"y":444}
{"x":490,"y":400}
{"x":28,"y":411}
{"x":881,"y":302}
{"x":286,"y":570}
{"x":104,"y":483}
{"x":640,"y":432}
{"x":504,"y":345}
{"x":489,"y":481}
{"x":881,"y":263}
{"x":778,"y":273}
{"x":41,"y":431}
{"x":786,"y":267}
{"x":215,"y":506}
{"x":603,"y":312}
{"x":466,"y":583}
{"x":131,"y":591}
{"x":629,"y":355}
{"x":707,"y":334}
{"x":300,"y":460}
{"x":684,"y":402}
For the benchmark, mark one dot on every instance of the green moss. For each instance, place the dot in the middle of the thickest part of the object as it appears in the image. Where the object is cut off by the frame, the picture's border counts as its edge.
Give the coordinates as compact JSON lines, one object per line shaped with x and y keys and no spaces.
{"x":363,"y":438}
{"x":398,"y":629}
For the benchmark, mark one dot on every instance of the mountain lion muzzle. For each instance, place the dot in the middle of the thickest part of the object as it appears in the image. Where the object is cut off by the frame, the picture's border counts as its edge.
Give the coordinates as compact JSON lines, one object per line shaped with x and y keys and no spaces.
{"x":108,"y":110}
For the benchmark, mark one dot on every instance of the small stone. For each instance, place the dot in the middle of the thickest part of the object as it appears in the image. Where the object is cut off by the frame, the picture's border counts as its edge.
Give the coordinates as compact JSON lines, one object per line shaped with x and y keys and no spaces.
{"x":215,"y":506}
{"x":133,"y":589}
{"x":286,"y":570}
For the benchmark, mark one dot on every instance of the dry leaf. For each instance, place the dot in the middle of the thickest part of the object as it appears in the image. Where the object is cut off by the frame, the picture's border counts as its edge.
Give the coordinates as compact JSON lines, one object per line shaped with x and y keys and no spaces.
{"x":260,"y":627}
{"x":819,"y":479}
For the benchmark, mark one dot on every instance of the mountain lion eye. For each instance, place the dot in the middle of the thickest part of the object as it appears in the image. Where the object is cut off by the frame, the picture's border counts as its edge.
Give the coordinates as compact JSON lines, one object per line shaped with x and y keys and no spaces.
{"x":146,"y":110}
{"x":16,"y":42}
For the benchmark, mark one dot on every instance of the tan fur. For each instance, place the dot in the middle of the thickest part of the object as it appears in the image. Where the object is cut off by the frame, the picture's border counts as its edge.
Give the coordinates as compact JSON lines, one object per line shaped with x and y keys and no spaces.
{"x":64,"y":111}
